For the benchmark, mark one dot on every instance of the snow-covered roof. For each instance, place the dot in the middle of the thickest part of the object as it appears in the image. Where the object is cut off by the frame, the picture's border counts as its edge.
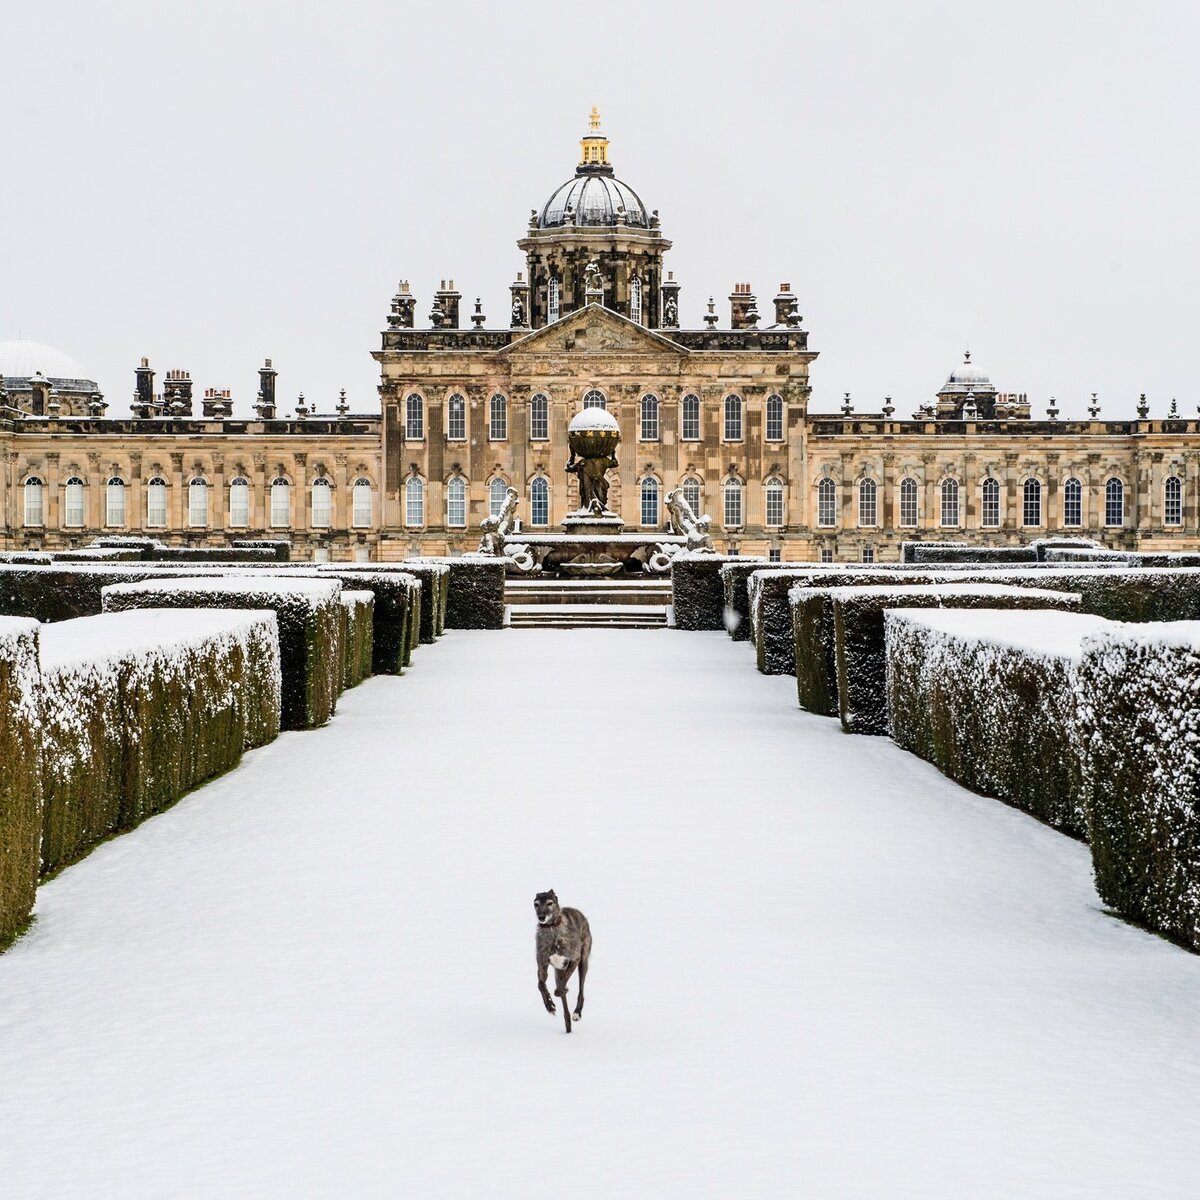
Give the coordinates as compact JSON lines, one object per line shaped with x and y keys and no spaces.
{"x":22,"y":359}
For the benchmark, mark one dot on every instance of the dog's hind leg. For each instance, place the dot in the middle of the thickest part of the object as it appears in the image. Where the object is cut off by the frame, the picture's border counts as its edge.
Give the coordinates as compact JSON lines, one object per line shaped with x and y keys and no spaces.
{"x":583,"y":965}
{"x":561,"y":979}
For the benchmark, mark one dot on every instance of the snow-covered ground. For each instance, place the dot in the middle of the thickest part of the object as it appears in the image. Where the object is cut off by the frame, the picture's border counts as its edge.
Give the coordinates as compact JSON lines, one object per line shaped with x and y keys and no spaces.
{"x":820,"y":969}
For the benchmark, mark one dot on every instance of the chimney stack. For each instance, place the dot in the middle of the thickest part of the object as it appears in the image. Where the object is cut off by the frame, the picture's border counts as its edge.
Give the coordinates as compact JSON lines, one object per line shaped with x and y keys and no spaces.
{"x":403,"y":306}
{"x":787,"y":307}
{"x":743,"y":307}
{"x":265,"y":405}
{"x":143,"y":395}
{"x":177,"y":387}
{"x":447,"y":299}
{"x":216,"y":405}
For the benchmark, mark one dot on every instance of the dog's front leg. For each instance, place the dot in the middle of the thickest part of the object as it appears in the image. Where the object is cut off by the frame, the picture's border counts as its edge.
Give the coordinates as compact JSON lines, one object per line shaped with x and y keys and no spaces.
{"x":561,"y":979}
{"x":543,"y":971}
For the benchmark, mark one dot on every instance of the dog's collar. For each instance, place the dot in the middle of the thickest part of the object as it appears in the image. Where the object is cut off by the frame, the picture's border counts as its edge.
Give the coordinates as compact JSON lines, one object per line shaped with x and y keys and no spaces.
{"x":550,"y":924}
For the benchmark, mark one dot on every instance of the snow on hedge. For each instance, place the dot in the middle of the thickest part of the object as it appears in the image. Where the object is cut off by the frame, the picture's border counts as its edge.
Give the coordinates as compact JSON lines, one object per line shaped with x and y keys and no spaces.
{"x":399,"y":608}
{"x":309,"y":628}
{"x":991,"y":699}
{"x":475,"y":599}
{"x":858,"y":629}
{"x":358,"y":612}
{"x":1139,"y":697}
{"x":20,"y":773}
{"x":973,"y":554}
{"x":140,"y":707}
{"x":698,"y":589}
{"x":50,"y":591}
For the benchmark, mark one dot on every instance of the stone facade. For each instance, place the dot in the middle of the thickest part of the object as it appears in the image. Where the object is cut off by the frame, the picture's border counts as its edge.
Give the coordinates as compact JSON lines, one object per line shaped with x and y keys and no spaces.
{"x":468,"y":412}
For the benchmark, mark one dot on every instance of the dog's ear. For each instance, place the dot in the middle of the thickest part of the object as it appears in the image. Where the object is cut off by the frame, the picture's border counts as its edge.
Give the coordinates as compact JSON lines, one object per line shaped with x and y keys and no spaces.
{"x":551,"y":893}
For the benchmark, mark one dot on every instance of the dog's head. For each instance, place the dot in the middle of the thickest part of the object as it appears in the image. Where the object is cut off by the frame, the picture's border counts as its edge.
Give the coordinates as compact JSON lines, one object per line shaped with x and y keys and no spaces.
{"x":545,"y":906}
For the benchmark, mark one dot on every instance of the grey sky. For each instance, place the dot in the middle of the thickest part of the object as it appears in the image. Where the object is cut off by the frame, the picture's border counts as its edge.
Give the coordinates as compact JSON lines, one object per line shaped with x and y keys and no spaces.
{"x":211,"y":183}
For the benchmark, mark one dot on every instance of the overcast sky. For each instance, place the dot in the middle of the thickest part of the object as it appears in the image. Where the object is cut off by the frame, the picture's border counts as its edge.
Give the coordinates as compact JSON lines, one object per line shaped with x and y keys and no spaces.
{"x":212,"y":183}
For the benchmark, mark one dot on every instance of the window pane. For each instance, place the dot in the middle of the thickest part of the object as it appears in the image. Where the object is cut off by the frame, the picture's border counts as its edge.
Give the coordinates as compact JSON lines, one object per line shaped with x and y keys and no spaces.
{"x":539,"y":417}
{"x":322,"y":507}
{"x":649,"y":419}
{"x":73,"y":514}
{"x":539,"y":503}
{"x":774,"y":418}
{"x":908,"y":504}
{"x":1032,"y":505}
{"x":497,"y":491}
{"x":649,"y":502}
{"x":733,"y":505}
{"x":553,"y":305}
{"x":867,"y":493}
{"x":635,"y":300}
{"x":1073,"y":503}
{"x":691,"y":493}
{"x":1173,"y":501}
{"x":239,"y":503}
{"x":774,"y":504}
{"x":456,"y":503}
{"x":949,"y":502}
{"x":156,"y":503}
{"x":499,"y":423}
{"x":595,"y":399}
{"x":827,"y":503}
{"x":361,"y":515}
{"x":414,"y":428}
{"x":281,"y":506}
{"x":1114,"y":502}
{"x":456,"y":418}
{"x":414,"y":502}
{"x":114,"y":507}
{"x":33,"y":502}
{"x":733,"y":418}
{"x":691,"y":418}
{"x":198,"y":503}
{"x":991,"y":503}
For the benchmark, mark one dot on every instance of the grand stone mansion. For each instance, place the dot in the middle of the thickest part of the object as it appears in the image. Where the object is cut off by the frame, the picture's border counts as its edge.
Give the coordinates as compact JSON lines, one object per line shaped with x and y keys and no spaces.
{"x":468,"y":411}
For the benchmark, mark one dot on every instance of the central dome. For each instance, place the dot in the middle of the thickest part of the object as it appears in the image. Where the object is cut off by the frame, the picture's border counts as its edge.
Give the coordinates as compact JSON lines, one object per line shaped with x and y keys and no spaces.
{"x":21,"y":360}
{"x":593,"y":197}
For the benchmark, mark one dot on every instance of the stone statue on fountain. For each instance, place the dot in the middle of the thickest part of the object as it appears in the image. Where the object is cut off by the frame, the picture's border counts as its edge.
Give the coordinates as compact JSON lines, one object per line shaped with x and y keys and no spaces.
{"x":593,"y":437}
{"x":684,"y":521}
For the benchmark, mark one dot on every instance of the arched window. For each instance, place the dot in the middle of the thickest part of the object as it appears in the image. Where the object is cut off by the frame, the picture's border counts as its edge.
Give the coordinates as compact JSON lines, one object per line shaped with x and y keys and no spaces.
{"x":539,"y":503}
{"x":733,"y":504}
{"x":691,"y":418}
{"x":360,"y":514}
{"x":594,"y":399}
{"x":908,"y":504}
{"x":827,"y":503}
{"x":649,"y":420}
{"x":539,"y":417}
{"x":635,"y":299}
{"x":990,"y":514}
{"x":156,"y":503}
{"x":1173,"y":501}
{"x":239,"y":502}
{"x":414,"y":502}
{"x":649,"y":501}
{"x":1114,"y":503}
{"x":114,"y":503}
{"x":198,"y":503}
{"x":456,"y":502}
{"x":949,"y":503}
{"x":322,"y":503}
{"x":456,"y":418}
{"x":498,"y":427}
{"x":34,"y":508}
{"x":414,"y":423}
{"x":733,"y":418}
{"x":1031,"y":508}
{"x":867,"y":507}
{"x":774,"y":505}
{"x":497,"y":490}
{"x":73,"y":507}
{"x":281,"y":503}
{"x":774,"y":418}
{"x":1072,"y":503}
{"x":553,"y":301}
{"x":691,"y":493}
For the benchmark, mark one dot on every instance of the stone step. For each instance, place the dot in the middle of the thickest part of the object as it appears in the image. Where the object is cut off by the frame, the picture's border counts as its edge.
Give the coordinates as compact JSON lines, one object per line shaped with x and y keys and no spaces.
{"x":587,"y":616}
{"x":578,"y":592}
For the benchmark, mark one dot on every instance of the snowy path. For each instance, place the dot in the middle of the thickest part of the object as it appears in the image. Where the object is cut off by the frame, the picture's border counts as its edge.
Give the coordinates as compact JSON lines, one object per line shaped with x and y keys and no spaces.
{"x":820,"y":970}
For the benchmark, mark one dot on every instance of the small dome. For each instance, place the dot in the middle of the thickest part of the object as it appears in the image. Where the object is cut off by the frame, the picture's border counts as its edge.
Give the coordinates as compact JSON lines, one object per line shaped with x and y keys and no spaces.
{"x":21,"y":360}
{"x":596,"y":197}
{"x":967,"y":378}
{"x":592,"y":419}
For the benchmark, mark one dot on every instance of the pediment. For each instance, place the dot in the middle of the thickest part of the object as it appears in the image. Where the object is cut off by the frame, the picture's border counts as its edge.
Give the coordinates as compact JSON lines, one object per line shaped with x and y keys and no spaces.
{"x":594,"y":330}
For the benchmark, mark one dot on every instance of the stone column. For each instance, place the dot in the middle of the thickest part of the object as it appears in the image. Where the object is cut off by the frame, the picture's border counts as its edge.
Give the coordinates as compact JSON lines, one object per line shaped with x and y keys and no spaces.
{"x":301,"y":507}
{"x":94,"y":495}
{"x":341,"y":492}
{"x":1191,"y":492}
{"x":887,"y":491}
{"x":219,"y":500}
{"x":931,"y":516}
{"x":1138,"y":506}
{"x":176,"y":501}
{"x":1051,"y":516}
{"x":259,"y":513}
{"x":1013,"y":501}
{"x":1094,"y":518}
{"x":969,"y":501}
{"x":135,"y":496}
{"x":50,"y":518}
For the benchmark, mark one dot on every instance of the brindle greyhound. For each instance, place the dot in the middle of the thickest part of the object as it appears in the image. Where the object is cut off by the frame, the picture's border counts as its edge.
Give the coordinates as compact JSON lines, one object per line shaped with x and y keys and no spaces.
{"x":564,"y":942}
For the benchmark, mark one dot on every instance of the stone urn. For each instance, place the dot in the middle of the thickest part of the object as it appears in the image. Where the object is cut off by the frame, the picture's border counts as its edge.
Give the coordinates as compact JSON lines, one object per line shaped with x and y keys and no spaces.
{"x":594,"y":433}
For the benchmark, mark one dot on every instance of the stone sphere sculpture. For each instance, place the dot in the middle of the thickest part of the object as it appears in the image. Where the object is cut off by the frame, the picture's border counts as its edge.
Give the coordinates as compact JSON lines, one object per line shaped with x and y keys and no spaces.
{"x":593,"y":436}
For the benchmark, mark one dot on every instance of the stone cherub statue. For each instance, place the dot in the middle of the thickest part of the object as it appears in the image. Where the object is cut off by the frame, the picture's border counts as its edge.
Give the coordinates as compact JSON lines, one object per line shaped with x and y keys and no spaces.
{"x":496,"y":529}
{"x":593,"y":280}
{"x":684,"y":521}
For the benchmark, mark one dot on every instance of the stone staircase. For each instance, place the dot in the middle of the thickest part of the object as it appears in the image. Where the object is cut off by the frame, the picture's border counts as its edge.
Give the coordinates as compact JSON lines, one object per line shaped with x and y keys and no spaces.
{"x":587,"y":603}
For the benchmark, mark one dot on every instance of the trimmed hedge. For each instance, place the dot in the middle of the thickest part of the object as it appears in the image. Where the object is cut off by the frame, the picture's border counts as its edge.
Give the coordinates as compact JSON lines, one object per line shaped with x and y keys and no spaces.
{"x":309,"y":628}
{"x":96,"y":554}
{"x":282,"y":550}
{"x":991,"y":701}
{"x":1139,"y":690}
{"x":973,"y":554}
{"x":698,"y":589}
{"x":475,"y":598}
{"x":1098,"y":554}
{"x":432,"y":585}
{"x":858,"y":615}
{"x":138,"y":708}
{"x":65,"y":591}
{"x":393,"y":617}
{"x":735,"y":582}
{"x":358,"y":612}
{"x":908,"y":550}
{"x":210,"y":554}
{"x":20,"y":774}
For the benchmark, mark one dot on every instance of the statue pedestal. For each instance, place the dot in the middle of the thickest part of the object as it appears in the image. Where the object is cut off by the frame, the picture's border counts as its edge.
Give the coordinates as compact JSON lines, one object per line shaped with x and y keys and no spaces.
{"x":585,"y":523}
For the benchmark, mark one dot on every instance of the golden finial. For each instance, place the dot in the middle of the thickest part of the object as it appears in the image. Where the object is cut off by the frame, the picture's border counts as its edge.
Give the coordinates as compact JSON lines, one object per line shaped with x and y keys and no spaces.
{"x":594,"y":120}
{"x":594,"y":145}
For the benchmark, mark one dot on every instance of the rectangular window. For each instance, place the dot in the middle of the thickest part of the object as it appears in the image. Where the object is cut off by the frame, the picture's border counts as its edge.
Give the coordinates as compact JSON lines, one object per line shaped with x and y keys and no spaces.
{"x":456,"y":419}
{"x":198,"y":505}
{"x":733,"y":506}
{"x":991,"y":504}
{"x":361,"y":514}
{"x":691,"y":418}
{"x":774,"y":555}
{"x":498,"y":427}
{"x":553,"y":308}
{"x":1173,"y":502}
{"x":414,"y":508}
{"x":774,"y":507}
{"x":74,"y":505}
{"x":774,"y":418}
{"x":908,"y":504}
{"x":827,"y":503}
{"x":539,"y":419}
{"x":281,"y":514}
{"x":322,"y":506}
{"x":156,"y":505}
{"x":239,"y":506}
{"x":114,"y":516}
{"x":827,"y":556}
{"x":868,"y":554}
{"x":949,"y":506}
{"x":33,"y":504}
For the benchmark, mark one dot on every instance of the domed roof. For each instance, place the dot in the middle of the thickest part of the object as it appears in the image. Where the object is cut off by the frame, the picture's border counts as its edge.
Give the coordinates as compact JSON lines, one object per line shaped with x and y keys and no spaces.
{"x":967,"y":378}
{"x":23,"y":359}
{"x":595,"y":197}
